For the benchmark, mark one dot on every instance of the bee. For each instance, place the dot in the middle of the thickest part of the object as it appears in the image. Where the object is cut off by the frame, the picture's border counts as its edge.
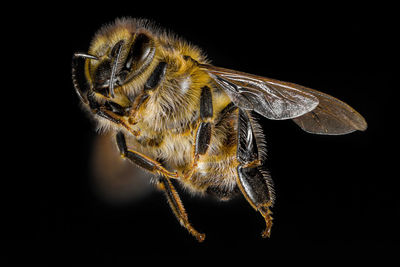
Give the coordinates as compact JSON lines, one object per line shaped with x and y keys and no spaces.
{"x":182,"y":119}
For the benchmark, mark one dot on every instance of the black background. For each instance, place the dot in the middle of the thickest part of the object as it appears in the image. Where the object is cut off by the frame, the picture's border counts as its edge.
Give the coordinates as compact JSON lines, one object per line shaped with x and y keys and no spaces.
{"x":335,"y":194}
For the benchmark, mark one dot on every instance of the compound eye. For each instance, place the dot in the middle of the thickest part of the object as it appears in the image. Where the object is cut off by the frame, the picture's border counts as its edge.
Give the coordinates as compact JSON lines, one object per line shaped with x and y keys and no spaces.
{"x":114,"y":50}
{"x":140,"y":54}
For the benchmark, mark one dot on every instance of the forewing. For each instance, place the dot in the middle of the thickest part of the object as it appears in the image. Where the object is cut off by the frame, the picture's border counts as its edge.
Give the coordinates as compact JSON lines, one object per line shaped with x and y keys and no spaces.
{"x":313,"y":111}
{"x":331,"y":116}
{"x":272,"y":99}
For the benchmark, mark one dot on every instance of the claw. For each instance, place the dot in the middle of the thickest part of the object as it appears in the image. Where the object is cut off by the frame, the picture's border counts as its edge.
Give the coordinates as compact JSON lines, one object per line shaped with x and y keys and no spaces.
{"x":267,"y":232}
{"x":266,"y":213}
{"x":200,"y":237}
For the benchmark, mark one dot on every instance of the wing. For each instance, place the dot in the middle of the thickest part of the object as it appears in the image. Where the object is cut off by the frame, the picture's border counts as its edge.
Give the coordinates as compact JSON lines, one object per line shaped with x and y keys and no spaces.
{"x":313,"y":111}
{"x":331,"y":116}
{"x":270,"y":98}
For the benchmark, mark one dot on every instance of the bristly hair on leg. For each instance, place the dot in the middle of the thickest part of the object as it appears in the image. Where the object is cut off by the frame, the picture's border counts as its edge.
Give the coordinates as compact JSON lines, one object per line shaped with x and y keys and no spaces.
{"x":265,"y":173}
{"x":259,"y":135}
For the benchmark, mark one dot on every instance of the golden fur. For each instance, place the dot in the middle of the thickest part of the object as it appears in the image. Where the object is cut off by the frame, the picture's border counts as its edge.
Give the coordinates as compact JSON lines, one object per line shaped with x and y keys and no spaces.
{"x":168,"y":121}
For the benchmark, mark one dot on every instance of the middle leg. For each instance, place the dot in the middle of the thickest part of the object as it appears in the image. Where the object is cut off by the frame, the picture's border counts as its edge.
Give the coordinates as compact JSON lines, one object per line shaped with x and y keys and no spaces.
{"x":141,"y":160}
{"x":176,"y":205}
{"x":203,"y":132}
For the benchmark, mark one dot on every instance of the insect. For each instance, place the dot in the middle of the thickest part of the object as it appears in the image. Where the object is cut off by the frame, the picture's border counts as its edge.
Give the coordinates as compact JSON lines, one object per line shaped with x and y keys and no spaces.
{"x":177,"y":116}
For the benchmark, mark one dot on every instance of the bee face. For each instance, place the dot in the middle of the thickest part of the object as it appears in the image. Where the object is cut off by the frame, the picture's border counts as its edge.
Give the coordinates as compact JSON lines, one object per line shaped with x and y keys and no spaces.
{"x":122,"y":55}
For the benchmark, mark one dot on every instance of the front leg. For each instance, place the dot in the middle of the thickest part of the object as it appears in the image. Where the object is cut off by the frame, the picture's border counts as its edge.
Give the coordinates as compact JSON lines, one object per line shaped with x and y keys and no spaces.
{"x":110,"y":111}
{"x":141,"y":160}
{"x":152,"y":83}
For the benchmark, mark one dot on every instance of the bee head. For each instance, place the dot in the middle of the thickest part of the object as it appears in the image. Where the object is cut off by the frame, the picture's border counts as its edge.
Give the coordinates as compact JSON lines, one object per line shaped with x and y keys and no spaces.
{"x":118,"y":54}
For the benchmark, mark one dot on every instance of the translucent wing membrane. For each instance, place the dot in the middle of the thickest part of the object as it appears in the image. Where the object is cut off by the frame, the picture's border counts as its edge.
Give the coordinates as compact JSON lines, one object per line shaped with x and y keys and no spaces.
{"x":331,"y":116}
{"x":271,"y":98}
{"x":313,"y":111}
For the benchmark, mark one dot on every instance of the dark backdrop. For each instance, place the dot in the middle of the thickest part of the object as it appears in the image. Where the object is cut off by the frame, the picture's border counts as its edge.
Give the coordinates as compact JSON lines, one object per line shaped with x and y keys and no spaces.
{"x":335,"y":194}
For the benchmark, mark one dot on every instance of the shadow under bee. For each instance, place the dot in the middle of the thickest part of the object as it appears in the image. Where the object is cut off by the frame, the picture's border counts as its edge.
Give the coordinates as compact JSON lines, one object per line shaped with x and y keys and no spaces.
{"x":114,"y":180}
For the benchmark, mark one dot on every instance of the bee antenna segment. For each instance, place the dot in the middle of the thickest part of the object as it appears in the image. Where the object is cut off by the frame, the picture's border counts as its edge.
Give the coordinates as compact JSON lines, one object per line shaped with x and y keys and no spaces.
{"x":114,"y":69}
{"x":75,"y":58}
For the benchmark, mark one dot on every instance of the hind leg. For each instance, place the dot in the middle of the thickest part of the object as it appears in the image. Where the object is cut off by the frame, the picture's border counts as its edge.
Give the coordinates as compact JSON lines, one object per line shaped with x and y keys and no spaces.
{"x":253,"y":182}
